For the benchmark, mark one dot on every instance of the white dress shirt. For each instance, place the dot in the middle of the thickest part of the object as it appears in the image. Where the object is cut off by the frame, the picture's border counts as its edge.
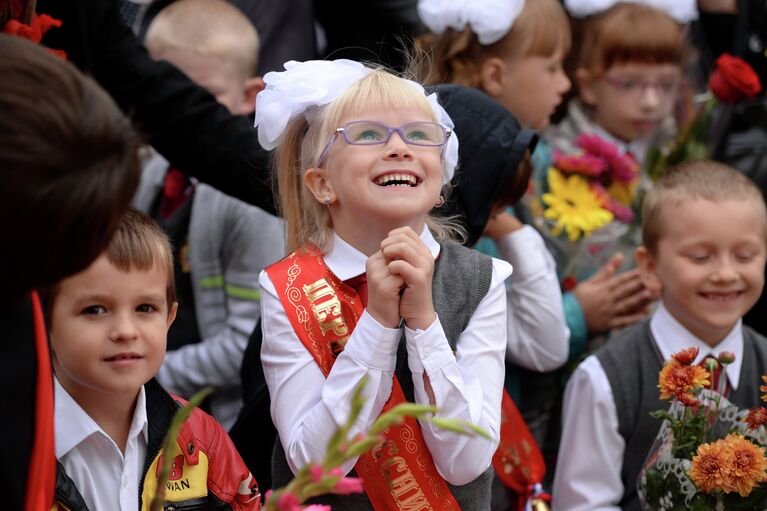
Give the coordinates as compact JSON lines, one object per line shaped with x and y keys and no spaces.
{"x":306,"y":408}
{"x":538,"y":337}
{"x":105,"y":477}
{"x":588,"y":475}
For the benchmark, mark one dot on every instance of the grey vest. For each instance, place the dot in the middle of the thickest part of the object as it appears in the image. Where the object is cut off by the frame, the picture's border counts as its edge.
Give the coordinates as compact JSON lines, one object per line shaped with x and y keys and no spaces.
{"x":461,"y":279}
{"x":632,"y":363}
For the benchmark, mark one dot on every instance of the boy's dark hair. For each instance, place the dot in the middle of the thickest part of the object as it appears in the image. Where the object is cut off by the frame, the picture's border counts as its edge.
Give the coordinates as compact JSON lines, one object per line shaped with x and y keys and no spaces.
{"x":703,"y":179}
{"x":69,"y":167}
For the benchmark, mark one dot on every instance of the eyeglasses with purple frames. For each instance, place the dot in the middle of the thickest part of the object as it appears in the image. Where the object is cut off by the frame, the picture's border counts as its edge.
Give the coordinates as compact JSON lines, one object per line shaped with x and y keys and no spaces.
{"x":422,"y":133}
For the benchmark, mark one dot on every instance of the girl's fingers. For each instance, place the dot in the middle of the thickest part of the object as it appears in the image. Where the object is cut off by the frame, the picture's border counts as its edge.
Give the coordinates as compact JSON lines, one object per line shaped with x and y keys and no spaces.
{"x":618,"y":284}
{"x":628,"y":319}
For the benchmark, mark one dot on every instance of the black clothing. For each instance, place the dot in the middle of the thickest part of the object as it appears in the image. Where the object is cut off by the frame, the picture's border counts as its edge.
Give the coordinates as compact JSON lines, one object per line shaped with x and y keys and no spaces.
{"x":182,"y":121}
{"x":492,"y":145}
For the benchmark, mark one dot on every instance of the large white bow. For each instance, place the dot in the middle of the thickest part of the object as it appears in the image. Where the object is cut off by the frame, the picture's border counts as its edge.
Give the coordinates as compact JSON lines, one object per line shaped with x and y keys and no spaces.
{"x":683,"y":11}
{"x":305,"y":86}
{"x":489,"y":19}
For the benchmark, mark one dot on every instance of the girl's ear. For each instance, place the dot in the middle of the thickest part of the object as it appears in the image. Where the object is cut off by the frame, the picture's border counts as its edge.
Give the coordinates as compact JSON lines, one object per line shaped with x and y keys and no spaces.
{"x":491,"y":74}
{"x":647,"y":270}
{"x":316,"y":180}
{"x":586,"y":86}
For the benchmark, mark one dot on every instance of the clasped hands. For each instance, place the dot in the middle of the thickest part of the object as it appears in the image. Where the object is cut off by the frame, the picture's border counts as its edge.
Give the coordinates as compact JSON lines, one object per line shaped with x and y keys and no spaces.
{"x":399,"y":280}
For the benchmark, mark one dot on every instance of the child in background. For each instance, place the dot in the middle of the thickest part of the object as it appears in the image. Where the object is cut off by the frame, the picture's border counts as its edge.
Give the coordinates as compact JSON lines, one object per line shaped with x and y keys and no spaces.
{"x":222,"y":243}
{"x":704,"y":248}
{"x":108,"y":327}
{"x":512,"y":51}
{"x":361,"y":163}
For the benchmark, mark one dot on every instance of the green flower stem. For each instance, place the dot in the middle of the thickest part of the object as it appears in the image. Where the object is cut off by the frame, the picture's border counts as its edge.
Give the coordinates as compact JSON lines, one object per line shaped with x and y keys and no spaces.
{"x":170,"y":441}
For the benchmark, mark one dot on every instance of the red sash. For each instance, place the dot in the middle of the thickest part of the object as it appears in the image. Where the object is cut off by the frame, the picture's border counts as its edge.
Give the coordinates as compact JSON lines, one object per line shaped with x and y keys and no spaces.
{"x":41,"y":478}
{"x":323,"y":312}
{"x":399,"y":475}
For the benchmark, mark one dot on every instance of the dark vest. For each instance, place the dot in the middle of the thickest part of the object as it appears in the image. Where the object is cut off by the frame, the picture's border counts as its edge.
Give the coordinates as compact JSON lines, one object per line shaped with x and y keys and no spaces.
{"x":632,"y":363}
{"x":461,"y":279}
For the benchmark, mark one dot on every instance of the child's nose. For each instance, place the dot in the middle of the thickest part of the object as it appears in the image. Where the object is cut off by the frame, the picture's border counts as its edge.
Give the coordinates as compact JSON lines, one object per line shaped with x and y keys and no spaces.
{"x":725,"y":272}
{"x":651,"y":97}
{"x":123,"y":328}
{"x":397,"y":148}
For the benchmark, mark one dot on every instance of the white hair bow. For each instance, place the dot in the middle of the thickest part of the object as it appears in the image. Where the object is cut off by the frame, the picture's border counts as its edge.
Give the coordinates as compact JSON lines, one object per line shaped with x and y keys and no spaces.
{"x":683,"y":11}
{"x":489,"y":19}
{"x":305,"y":86}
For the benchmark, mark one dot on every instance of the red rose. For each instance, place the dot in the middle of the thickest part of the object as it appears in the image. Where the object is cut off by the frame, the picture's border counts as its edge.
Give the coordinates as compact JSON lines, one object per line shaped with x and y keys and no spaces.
{"x":733,"y":80}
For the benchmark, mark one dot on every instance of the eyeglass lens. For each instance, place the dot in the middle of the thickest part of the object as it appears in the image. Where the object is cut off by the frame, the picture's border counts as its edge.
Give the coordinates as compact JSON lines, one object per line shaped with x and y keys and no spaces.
{"x":416,"y":133}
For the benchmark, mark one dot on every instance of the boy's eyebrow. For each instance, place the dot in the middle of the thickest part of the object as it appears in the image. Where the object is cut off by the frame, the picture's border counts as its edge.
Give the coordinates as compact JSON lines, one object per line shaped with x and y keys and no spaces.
{"x":105,"y":298}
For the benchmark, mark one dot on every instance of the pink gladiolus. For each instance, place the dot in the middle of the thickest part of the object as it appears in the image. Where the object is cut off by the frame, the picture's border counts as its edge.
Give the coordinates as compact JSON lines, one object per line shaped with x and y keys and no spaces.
{"x":584,"y":164}
{"x":622,"y":213}
{"x":316,"y":473}
{"x":288,"y":502}
{"x":317,"y":507}
{"x":348,"y":485}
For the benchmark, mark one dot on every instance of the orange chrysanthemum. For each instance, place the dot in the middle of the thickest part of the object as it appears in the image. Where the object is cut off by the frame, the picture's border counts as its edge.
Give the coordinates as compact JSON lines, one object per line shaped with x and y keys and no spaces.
{"x":709,"y":467}
{"x":756,"y":417}
{"x":733,"y":464}
{"x":686,"y":357}
{"x":748,"y":465}
{"x":677,"y":379}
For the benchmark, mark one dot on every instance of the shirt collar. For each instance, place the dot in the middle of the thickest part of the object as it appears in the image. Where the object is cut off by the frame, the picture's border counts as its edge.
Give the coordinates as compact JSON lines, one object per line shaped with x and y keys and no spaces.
{"x":73,"y":425}
{"x":671,"y":336}
{"x":346,"y":262}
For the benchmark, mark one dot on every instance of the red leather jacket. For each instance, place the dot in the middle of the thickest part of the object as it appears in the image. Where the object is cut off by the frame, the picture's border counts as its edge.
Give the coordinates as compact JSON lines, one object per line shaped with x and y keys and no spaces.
{"x":207,"y":473}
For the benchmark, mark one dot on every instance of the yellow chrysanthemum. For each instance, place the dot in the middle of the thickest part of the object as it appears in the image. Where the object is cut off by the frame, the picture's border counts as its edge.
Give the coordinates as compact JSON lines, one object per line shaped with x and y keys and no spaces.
{"x":574,"y":207}
{"x":623,"y":193}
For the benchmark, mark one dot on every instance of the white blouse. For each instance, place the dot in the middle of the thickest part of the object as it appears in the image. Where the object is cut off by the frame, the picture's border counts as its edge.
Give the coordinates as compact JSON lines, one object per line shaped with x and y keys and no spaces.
{"x":307,"y":408}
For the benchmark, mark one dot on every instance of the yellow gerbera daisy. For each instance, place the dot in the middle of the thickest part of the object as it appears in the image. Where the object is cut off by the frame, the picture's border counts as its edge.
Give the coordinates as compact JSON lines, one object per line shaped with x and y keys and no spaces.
{"x":573,"y":205}
{"x":624,"y":193}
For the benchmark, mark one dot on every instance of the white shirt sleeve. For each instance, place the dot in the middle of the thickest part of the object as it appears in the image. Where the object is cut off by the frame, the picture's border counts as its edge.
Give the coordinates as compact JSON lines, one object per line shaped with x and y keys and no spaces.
{"x":307,"y":408}
{"x":590,"y":460}
{"x":466,"y":385}
{"x":538,"y":336}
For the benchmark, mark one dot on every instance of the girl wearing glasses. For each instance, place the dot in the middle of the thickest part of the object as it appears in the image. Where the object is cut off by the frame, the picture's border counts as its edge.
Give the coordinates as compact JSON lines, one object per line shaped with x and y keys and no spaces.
{"x":375,"y":289}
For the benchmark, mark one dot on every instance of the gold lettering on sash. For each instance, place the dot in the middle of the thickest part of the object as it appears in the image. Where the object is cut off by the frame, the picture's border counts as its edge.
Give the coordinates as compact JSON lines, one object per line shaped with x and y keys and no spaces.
{"x":404,"y":487}
{"x":327,"y":311}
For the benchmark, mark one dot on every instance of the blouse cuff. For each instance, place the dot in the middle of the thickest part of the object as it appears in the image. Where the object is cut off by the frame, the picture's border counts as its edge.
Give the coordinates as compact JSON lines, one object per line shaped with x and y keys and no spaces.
{"x":428,"y":349}
{"x":374,"y":345}
{"x":526,"y":250}
{"x":576,"y":322}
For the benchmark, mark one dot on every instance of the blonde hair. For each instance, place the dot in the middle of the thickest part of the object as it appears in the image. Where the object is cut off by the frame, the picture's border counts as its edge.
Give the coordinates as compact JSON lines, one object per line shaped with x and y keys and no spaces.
{"x":308,"y":221}
{"x":211,"y":28}
{"x":540,"y":30}
{"x":627,"y":32}
{"x":703,"y":179}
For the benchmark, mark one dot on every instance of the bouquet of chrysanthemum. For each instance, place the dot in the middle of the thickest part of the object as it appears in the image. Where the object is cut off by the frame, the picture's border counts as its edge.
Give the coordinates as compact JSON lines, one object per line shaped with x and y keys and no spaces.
{"x":732,"y":82}
{"x":708,"y":455}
